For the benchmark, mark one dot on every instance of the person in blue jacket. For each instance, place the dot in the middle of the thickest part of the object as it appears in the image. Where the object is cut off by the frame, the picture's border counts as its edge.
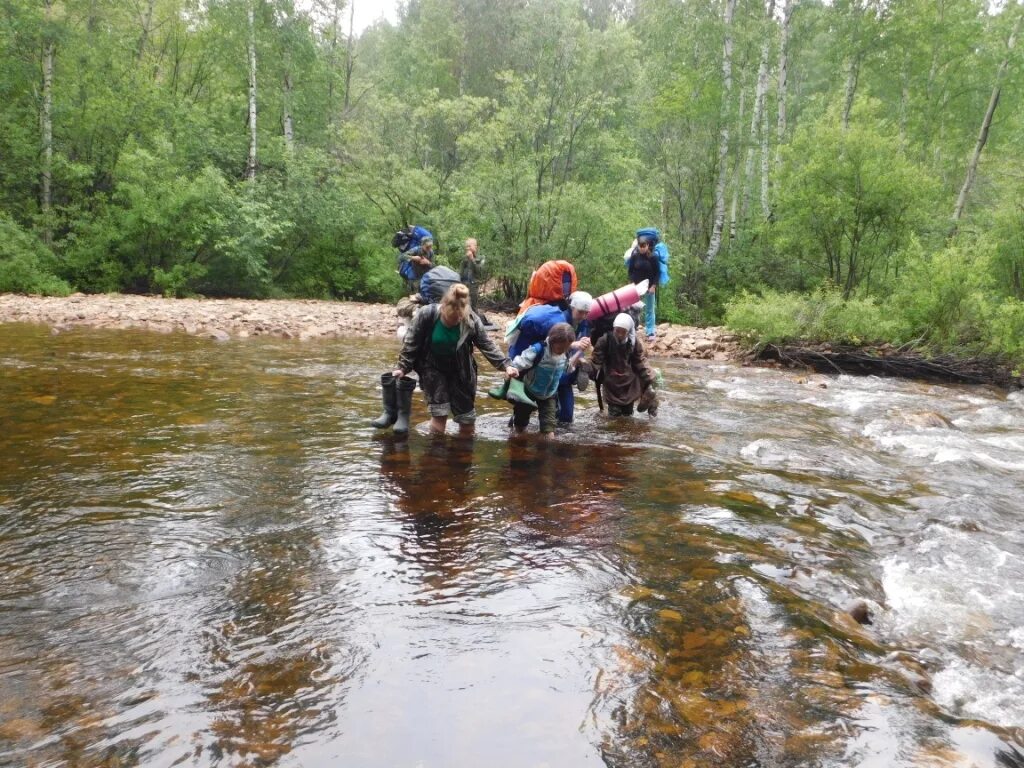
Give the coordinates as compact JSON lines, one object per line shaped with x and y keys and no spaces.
{"x":541,"y":367}
{"x":533,"y":326}
{"x":647,"y":259}
{"x":415,"y":247}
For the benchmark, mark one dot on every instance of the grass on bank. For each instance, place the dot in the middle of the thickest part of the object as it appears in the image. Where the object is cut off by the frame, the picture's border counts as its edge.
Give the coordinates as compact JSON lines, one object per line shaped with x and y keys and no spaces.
{"x":940,"y":317}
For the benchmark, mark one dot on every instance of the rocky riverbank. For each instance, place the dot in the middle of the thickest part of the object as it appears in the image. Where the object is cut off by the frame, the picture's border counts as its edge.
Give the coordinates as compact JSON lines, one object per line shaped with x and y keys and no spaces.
{"x":224,"y":319}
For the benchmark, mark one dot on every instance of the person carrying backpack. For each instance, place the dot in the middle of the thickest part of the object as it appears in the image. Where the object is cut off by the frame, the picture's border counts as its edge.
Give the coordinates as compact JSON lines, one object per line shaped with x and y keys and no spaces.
{"x":533,"y":325}
{"x":415,"y":255}
{"x":647,"y":259}
{"x":541,"y":367}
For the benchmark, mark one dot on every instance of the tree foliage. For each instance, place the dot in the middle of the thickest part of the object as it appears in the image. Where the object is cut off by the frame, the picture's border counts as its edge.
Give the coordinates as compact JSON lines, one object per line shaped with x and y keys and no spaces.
{"x":546,"y":130}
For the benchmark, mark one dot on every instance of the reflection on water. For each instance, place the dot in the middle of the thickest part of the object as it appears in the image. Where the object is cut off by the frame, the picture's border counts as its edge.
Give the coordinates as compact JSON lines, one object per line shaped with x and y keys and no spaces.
{"x":208,"y":558}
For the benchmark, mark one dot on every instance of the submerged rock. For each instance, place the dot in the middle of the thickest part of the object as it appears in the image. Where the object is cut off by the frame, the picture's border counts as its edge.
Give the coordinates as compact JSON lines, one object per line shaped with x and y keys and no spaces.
{"x":926,"y":420}
{"x":859,"y":610}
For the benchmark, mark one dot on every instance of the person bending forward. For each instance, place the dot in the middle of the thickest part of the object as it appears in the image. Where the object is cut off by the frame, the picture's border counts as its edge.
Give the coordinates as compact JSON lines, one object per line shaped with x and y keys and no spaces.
{"x":439,"y":347}
{"x":621,"y":361}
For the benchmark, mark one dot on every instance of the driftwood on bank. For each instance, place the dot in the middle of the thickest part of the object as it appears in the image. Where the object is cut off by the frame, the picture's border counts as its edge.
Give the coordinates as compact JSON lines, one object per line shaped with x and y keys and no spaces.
{"x":886,"y":360}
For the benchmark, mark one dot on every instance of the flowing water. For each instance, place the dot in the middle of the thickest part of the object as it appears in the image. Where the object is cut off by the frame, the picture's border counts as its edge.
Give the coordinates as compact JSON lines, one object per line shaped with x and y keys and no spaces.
{"x":207,"y":557}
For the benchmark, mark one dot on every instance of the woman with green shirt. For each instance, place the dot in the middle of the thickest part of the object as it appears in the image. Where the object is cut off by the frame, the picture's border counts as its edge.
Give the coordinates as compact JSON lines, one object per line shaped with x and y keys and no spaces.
{"x":439,"y":347}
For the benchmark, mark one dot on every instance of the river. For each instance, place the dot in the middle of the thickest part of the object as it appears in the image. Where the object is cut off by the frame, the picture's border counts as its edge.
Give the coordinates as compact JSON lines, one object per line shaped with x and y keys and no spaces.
{"x":207,"y":557}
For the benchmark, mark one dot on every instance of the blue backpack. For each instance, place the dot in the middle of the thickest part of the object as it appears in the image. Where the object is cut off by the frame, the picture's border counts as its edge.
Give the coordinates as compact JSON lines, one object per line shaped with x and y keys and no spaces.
{"x":532,"y":326}
{"x":660,"y":251}
{"x":435,"y":282}
{"x":405,"y":240}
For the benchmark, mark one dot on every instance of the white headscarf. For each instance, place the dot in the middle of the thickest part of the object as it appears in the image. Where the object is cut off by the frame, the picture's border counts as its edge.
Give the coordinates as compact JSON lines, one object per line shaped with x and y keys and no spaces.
{"x":622,"y":320}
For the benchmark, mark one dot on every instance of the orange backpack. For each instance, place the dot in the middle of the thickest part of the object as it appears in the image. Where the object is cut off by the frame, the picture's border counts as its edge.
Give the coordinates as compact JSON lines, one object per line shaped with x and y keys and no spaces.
{"x":551,"y":282}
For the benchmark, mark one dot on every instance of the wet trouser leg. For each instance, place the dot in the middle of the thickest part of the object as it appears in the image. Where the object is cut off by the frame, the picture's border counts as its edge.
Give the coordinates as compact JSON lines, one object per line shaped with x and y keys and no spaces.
{"x":650,"y":307}
{"x":521,"y":416}
{"x":615,"y":411}
{"x":566,"y":399}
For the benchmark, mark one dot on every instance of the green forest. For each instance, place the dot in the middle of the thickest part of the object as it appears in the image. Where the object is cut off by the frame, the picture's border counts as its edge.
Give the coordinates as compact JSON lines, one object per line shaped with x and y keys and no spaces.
{"x":849,"y":170}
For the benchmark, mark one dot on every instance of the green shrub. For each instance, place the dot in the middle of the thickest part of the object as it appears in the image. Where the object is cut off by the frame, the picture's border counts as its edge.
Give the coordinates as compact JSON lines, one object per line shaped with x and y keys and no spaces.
{"x":1006,"y":331}
{"x":821,"y":316}
{"x":942,"y":299}
{"x":25,"y":263}
{"x":176,"y":282}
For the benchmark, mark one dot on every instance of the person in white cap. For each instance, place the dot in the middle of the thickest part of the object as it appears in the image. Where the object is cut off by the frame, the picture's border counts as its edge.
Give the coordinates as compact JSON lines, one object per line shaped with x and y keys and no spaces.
{"x":625,"y":374}
{"x":533,"y":326}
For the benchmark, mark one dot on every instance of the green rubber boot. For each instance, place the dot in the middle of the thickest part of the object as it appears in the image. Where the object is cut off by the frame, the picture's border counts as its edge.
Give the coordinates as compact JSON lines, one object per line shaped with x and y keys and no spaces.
{"x":389,"y":396}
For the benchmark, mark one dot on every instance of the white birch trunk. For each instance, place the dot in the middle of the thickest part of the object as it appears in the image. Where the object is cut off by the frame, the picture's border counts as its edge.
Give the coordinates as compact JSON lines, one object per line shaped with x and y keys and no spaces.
{"x":46,"y":129}
{"x":147,"y":27}
{"x":904,"y":101}
{"x":250,"y":169}
{"x":755,"y":126}
{"x":349,"y":60}
{"x":852,"y":76}
{"x":766,"y":209}
{"x":787,"y":16}
{"x":715,"y":244}
{"x":986,"y":124}
{"x":737,"y":179}
{"x":287,"y":122}
{"x":332,"y":61}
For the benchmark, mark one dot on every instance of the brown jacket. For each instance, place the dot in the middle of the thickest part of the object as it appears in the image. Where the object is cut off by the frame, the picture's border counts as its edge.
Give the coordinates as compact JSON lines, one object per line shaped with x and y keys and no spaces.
{"x":625,"y":372}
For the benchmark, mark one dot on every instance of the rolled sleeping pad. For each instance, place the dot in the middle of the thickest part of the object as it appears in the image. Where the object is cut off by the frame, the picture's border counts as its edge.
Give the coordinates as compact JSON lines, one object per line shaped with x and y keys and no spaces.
{"x":618,"y":300}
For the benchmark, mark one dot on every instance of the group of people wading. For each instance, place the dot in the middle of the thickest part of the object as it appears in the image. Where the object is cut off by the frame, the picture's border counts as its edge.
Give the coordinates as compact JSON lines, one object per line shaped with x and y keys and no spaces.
{"x":548,"y":342}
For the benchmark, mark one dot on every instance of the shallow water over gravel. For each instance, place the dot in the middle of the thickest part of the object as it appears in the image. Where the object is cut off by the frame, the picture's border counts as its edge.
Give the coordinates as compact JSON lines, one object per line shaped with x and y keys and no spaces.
{"x":208,"y":558}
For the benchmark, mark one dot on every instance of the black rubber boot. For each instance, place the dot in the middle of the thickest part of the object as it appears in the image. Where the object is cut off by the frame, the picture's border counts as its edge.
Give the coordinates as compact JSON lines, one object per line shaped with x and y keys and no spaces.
{"x":405,"y":388}
{"x":388,"y":395}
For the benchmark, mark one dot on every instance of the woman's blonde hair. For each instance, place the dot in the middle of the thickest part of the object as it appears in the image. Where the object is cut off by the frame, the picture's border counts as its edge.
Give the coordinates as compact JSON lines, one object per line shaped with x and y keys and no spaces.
{"x":456,"y":302}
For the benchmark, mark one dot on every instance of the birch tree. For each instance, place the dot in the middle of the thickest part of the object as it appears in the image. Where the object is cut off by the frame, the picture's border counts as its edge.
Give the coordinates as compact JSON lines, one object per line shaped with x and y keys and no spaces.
{"x":723,"y":139}
{"x":250,"y":168}
{"x":986,"y":125}
{"x":737,"y":178}
{"x":286,"y":31}
{"x":350,"y":61}
{"x":766,"y":210}
{"x":783,"y":82}
{"x":858,"y":31}
{"x":46,"y":124}
{"x":757,"y":117}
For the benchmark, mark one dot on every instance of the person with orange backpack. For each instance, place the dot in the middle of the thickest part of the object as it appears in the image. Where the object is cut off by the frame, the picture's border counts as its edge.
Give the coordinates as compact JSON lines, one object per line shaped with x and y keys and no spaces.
{"x":533,"y":326}
{"x":551,"y":283}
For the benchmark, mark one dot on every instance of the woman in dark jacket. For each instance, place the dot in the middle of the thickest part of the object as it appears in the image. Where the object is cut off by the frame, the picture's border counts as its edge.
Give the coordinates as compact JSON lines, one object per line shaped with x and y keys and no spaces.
{"x":439,"y":347}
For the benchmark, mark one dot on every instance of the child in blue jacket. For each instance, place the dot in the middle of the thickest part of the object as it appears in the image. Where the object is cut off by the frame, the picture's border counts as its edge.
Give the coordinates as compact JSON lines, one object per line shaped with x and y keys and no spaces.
{"x":541,"y":366}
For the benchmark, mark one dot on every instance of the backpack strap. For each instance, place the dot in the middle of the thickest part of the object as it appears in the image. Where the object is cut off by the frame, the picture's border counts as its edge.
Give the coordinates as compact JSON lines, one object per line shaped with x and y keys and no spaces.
{"x":538,"y":348}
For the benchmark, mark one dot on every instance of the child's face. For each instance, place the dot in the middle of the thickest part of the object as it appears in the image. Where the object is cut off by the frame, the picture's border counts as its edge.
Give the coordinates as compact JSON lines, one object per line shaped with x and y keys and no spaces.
{"x":559,"y":347}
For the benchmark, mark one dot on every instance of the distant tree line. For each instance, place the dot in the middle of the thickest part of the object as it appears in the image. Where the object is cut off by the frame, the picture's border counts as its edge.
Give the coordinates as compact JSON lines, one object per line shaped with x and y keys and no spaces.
{"x":850,"y":169}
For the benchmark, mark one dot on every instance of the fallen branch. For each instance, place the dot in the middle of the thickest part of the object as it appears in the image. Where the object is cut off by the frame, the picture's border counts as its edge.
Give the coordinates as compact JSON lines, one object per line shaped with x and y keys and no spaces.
{"x":886,"y":361}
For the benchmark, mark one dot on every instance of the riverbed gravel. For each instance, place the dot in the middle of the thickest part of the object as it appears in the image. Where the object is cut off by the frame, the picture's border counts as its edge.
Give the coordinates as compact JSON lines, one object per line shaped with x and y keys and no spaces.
{"x":300,"y":319}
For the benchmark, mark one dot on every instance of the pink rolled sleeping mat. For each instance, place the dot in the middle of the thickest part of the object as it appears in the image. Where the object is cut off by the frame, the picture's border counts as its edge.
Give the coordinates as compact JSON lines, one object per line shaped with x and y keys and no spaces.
{"x":618,"y":300}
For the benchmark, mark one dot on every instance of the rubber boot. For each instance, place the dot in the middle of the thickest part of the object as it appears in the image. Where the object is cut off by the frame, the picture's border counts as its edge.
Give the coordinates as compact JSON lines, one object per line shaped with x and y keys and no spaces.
{"x":388,"y":395}
{"x":405,"y":388}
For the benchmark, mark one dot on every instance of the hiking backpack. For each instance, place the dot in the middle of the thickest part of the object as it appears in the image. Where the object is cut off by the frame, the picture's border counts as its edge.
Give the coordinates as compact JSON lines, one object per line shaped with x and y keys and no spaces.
{"x":435,"y":282}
